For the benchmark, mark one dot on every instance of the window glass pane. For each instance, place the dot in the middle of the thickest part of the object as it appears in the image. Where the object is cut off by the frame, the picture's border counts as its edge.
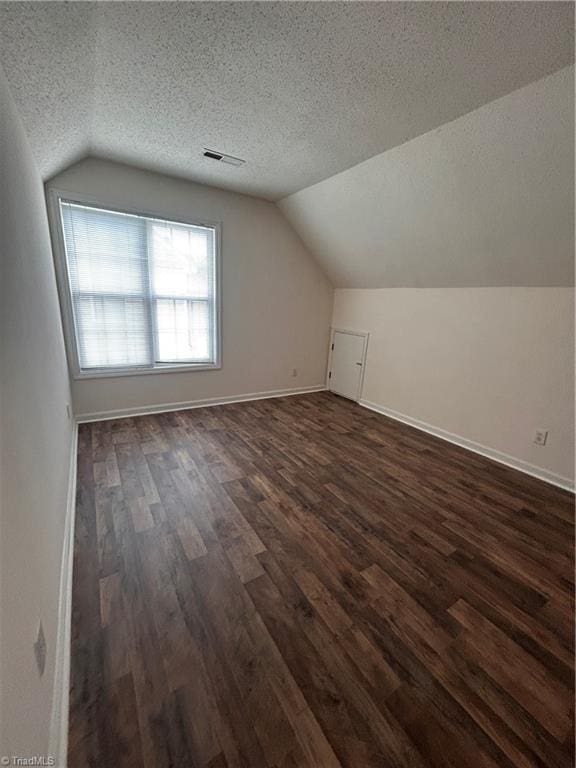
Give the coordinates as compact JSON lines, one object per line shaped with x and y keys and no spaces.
{"x":106,"y":251}
{"x":183,"y":330}
{"x":182,"y":260}
{"x":143,"y":290}
{"x":112,"y":331}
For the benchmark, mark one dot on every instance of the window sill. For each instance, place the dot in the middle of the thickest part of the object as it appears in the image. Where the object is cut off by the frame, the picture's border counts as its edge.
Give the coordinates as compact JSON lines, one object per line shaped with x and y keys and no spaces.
{"x":119,"y":373}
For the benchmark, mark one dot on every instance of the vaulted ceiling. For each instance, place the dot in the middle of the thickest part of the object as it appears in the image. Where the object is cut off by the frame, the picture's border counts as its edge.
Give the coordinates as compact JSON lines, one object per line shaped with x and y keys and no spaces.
{"x":486,"y":200}
{"x":301,"y":91}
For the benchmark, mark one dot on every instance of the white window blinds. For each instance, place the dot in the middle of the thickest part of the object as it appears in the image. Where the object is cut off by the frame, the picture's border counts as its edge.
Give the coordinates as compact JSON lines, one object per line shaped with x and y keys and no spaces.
{"x":142,"y":289}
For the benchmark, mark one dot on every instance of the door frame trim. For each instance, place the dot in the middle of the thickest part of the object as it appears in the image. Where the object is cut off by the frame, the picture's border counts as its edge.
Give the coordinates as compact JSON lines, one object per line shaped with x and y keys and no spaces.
{"x":365,"y":336}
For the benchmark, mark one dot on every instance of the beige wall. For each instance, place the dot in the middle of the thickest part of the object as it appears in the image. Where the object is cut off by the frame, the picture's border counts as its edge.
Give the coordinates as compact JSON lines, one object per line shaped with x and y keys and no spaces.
{"x":35,"y":435}
{"x":491,"y":365}
{"x":276,"y":303}
{"x":425,"y":240}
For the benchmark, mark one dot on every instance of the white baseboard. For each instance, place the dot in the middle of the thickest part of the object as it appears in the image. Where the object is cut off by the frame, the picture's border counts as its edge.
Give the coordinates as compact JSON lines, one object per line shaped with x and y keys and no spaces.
{"x":122,"y":413}
{"x":60,"y":698}
{"x":58,"y":747}
{"x":483,"y":450}
{"x":60,"y":701}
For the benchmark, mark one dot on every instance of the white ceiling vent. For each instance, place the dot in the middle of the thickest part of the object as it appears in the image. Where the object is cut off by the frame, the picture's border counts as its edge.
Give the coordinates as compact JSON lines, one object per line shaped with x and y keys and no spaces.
{"x":213,"y":154}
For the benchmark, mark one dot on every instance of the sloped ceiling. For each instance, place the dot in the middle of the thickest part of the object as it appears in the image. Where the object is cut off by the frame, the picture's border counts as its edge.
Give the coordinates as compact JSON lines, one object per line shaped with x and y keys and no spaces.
{"x":486,"y":200}
{"x":301,"y":91}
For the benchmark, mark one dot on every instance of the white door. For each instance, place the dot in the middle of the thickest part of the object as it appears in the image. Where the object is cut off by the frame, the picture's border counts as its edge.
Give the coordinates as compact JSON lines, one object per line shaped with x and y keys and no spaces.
{"x":346,"y":364}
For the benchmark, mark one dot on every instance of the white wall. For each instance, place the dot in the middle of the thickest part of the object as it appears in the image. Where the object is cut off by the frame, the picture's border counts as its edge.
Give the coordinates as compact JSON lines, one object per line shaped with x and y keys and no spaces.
{"x":486,"y":200}
{"x":425,"y":241}
{"x":276,"y":301}
{"x":491,"y":365}
{"x":35,"y":436}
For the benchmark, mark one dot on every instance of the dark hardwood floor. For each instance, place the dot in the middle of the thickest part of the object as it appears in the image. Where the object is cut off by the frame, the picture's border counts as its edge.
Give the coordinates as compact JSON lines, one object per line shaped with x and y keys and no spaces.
{"x":301,"y":582}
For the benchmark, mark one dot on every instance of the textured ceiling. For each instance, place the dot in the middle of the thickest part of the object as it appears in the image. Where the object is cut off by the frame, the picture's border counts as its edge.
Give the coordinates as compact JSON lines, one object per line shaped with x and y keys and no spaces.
{"x":301,"y":91}
{"x":486,"y":200}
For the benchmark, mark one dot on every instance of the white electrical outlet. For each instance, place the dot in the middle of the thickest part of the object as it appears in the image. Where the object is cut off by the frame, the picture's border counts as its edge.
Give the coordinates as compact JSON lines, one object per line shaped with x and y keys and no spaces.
{"x":294,"y":372}
{"x":541,"y":437}
{"x":68,"y":411}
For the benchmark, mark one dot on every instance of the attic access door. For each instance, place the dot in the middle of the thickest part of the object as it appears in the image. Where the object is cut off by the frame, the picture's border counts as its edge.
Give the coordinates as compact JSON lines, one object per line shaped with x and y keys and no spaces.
{"x":347,"y":359}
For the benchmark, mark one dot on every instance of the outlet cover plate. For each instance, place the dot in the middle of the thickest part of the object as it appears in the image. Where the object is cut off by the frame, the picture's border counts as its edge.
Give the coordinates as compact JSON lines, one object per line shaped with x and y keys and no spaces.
{"x":541,"y":437}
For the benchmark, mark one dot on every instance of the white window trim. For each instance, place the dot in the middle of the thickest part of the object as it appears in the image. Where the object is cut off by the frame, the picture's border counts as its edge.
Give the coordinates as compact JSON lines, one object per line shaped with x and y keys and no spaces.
{"x":54,"y":196}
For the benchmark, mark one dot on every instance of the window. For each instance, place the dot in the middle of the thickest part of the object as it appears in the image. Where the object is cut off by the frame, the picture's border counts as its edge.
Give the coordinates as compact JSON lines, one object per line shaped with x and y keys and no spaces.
{"x":141,"y":291}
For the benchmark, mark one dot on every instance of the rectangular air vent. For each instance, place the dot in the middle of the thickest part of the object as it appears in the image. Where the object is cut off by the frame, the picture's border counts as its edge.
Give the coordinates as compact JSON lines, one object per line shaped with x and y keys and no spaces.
{"x":221,"y":157}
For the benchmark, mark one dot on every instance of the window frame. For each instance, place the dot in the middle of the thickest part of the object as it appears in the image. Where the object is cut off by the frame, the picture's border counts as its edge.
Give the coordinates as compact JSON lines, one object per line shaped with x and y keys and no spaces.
{"x":54,"y":196}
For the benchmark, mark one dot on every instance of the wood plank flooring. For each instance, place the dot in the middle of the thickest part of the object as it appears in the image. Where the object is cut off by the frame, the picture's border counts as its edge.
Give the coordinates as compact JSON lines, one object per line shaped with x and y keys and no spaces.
{"x":301,"y":582}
